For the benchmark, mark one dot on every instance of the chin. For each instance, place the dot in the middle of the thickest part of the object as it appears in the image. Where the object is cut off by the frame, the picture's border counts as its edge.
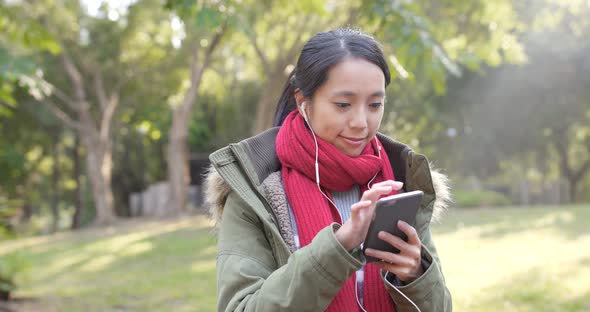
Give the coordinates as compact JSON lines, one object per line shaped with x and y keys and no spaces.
{"x":353,"y":152}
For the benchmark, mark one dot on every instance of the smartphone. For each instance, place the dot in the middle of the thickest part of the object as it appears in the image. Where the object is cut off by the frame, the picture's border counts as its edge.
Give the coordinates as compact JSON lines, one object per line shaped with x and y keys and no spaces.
{"x":388,"y":211}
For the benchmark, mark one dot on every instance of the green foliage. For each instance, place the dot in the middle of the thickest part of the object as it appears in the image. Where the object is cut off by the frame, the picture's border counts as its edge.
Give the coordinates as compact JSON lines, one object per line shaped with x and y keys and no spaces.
{"x":12,"y":267}
{"x":27,"y":33}
{"x":428,"y":44}
{"x":473,"y":199}
{"x":202,"y":16}
{"x":429,"y":40}
{"x":19,"y":38}
{"x":8,"y":210}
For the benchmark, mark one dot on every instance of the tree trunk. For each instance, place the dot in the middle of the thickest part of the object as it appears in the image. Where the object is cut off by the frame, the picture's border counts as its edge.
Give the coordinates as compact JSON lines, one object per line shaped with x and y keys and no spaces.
{"x":178,"y":174}
{"x":79,"y":199}
{"x":99,"y":165}
{"x":27,"y":212}
{"x":55,"y":187}
{"x":573,"y":189}
{"x":573,"y":176}
{"x":561,"y":142}
{"x":267,"y":105}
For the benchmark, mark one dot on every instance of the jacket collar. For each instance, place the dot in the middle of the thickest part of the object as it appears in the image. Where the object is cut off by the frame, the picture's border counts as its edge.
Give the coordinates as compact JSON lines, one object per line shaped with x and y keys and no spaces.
{"x":256,"y":159}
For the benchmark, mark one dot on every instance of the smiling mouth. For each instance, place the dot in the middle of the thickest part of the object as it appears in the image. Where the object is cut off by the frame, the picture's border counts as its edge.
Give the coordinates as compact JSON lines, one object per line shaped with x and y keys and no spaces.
{"x":353,"y":141}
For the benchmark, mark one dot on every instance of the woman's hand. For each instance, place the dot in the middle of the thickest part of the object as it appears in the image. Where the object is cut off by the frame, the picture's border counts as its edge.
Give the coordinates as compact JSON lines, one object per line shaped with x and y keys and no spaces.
{"x":406,"y":265}
{"x":353,"y":232}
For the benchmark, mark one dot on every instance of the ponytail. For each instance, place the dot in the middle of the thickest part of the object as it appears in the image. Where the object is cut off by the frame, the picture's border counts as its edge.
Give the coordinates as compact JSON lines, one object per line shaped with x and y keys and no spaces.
{"x":287,"y":102}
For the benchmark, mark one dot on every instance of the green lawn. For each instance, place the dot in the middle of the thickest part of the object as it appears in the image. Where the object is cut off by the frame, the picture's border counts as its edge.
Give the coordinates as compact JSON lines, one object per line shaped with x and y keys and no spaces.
{"x":509,"y":259}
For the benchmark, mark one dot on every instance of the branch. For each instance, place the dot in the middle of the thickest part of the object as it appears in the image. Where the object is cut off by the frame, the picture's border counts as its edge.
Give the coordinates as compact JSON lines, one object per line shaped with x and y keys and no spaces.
{"x":75,"y":77}
{"x":261,"y":55}
{"x":122,"y":81}
{"x":352,"y":16}
{"x":62,"y":115}
{"x":582,"y":170}
{"x":562,"y":144}
{"x":64,"y":98}
{"x":10,"y":107}
{"x":585,"y":166}
{"x":214,"y":43}
{"x":99,"y":86}
{"x":197,"y":71}
{"x":68,"y":64}
{"x":292,"y":50}
{"x":107,"y":117}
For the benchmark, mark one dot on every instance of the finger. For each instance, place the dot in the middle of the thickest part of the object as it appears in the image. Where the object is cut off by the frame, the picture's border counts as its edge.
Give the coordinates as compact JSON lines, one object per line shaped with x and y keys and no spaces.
{"x":356,"y":208}
{"x":376,"y":191}
{"x":410,"y":231}
{"x":404,"y":248}
{"x":390,"y":258}
{"x":361,"y":204}
{"x":397,"y":270}
{"x":396,"y":185}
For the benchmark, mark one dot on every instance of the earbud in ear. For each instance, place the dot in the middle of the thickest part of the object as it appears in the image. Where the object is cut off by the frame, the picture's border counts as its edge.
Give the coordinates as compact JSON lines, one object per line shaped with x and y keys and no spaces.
{"x":303,"y":111}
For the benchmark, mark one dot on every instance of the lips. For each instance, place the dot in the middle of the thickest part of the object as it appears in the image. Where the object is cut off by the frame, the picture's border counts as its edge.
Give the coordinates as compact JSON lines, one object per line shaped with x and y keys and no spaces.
{"x":353,"y":141}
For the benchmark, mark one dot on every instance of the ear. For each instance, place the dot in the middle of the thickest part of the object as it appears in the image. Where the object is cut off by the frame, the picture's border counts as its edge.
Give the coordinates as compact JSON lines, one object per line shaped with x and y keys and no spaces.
{"x":299,"y":98}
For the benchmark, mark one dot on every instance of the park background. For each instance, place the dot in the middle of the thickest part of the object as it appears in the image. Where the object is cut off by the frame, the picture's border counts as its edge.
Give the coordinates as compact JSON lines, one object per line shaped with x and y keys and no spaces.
{"x":108,"y":110}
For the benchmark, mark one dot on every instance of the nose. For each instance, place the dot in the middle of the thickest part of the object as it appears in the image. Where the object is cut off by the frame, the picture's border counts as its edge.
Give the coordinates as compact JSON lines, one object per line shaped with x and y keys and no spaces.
{"x":358,"y":119}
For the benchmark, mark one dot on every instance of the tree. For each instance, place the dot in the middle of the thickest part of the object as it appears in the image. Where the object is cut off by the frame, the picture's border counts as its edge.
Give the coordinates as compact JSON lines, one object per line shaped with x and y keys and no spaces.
{"x":277,"y":36}
{"x":540,"y":107}
{"x":98,"y":62}
{"x":205,"y":25}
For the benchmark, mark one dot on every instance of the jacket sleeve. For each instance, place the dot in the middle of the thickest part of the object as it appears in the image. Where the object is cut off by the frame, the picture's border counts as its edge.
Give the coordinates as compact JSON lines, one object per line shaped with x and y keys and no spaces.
{"x":429,"y":291}
{"x":248,"y":278}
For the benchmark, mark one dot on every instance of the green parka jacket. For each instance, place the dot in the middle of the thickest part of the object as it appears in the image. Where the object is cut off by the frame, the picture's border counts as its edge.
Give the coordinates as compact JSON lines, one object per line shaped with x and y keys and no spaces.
{"x":258,"y":268}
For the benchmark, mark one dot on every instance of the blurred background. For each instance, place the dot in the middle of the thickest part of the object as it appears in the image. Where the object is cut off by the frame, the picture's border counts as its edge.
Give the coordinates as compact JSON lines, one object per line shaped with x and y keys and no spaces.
{"x":109,"y":109}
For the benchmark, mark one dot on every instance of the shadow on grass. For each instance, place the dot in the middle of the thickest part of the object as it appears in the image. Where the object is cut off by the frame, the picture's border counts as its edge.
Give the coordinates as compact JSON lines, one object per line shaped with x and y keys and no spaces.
{"x":178,"y":243}
{"x":533,"y":290}
{"x":585,"y":262}
{"x":121,"y":268}
{"x":568,"y":221}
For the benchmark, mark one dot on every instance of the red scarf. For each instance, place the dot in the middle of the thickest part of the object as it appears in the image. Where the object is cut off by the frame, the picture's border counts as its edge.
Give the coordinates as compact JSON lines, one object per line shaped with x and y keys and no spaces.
{"x":338,"y":172}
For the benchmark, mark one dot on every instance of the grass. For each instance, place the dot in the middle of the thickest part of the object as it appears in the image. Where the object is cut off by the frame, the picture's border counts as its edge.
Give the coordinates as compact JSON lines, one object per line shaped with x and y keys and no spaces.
{"x":515,"y":259}
{"x":134,"y":266}
{"x":507,"y":259}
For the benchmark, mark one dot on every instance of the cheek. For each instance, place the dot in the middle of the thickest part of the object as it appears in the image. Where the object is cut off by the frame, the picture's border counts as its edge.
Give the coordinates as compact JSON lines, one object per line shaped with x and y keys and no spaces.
{"x":331,"y":127}
{"x":374,"y":122}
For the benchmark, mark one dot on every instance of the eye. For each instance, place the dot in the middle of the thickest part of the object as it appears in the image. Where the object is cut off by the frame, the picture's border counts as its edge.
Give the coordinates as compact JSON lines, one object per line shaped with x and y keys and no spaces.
{"x":342,"y":105}
{"x":376,"y":104}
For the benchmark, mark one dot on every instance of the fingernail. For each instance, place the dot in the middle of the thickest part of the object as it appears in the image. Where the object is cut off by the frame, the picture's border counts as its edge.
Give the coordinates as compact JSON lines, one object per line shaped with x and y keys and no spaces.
{"x":398,"y":183}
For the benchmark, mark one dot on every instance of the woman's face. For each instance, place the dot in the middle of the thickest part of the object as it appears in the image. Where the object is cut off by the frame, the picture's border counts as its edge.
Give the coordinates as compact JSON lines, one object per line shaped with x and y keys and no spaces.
{"x":347,"y":109}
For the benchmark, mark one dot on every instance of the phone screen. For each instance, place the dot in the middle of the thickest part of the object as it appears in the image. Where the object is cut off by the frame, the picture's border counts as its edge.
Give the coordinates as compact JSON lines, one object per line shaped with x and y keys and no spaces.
{"x":388,"y":212}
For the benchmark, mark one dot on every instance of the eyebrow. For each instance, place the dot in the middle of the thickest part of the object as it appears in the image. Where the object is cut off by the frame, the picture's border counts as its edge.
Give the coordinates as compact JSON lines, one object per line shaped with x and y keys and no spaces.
{"x":350,"y":93}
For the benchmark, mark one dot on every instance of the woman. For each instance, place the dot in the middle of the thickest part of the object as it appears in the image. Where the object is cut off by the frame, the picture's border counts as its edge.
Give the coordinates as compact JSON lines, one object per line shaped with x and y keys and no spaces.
{"x":294,"y":203}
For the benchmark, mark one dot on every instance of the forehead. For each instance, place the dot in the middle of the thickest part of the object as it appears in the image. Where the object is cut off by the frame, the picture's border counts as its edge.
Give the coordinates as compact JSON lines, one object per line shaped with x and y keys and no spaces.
{"x":354,"y":76}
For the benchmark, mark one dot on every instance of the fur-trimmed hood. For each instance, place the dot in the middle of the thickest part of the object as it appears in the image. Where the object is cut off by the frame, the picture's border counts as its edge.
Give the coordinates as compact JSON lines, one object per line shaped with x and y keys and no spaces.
{"x":217,"y":191}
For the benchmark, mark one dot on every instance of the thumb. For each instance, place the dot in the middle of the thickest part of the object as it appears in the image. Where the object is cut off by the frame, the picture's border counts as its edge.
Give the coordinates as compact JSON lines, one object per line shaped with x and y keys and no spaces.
{"x":356,"y":208}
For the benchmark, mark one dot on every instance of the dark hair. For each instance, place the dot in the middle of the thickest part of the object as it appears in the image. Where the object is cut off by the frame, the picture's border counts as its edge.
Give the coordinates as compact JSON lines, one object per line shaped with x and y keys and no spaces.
{"x":319,"y":55}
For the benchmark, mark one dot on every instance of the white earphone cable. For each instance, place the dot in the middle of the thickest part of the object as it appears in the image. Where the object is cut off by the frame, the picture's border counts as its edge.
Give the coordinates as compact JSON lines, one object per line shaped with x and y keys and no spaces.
{"x":317,"y":178}
{"x":401,"y":293}
{"x":317,"y":169}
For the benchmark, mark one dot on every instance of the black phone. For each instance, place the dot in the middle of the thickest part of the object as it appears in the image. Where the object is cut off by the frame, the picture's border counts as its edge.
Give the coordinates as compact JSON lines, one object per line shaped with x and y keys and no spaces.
{"x":388,"y":211}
